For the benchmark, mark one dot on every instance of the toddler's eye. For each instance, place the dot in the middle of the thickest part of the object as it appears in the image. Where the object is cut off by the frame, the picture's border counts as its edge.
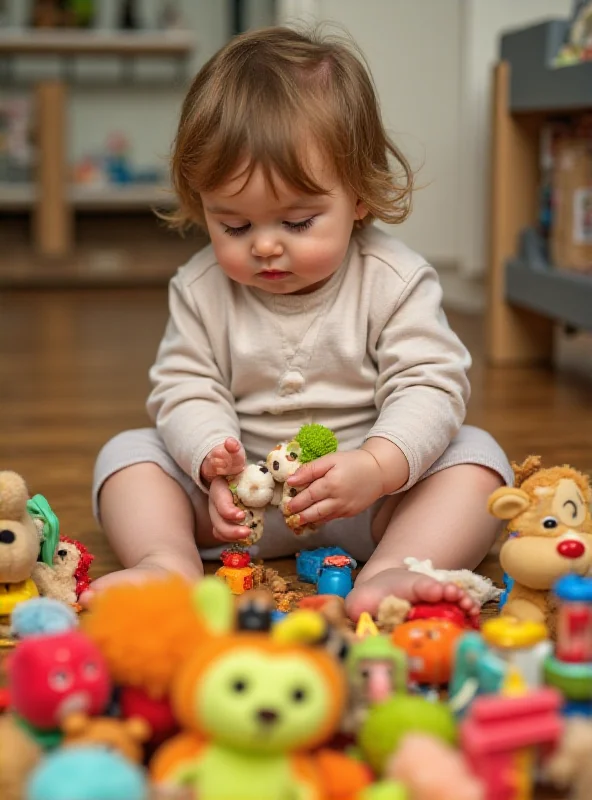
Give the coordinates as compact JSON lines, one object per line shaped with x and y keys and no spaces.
{"x":236,"y":231}
{"x":300,"y":226}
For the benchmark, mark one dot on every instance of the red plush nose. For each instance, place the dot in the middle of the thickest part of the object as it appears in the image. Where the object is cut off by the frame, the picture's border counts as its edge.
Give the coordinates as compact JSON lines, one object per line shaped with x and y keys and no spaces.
{"x":570,"y":548}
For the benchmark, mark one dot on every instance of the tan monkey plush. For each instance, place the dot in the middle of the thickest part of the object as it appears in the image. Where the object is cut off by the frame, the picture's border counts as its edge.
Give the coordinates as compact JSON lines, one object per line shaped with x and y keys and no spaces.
{"x":549,"y":534}
{"x":125,"y":735}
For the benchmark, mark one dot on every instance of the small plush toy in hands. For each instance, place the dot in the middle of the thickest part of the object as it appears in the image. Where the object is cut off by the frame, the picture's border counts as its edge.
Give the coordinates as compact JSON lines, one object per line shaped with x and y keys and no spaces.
{"x":311,"y":442}
{"x":252,"y":490}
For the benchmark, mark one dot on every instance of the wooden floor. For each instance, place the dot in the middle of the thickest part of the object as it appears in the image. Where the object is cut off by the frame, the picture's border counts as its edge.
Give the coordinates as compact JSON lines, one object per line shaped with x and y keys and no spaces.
{"x":73,"y":372}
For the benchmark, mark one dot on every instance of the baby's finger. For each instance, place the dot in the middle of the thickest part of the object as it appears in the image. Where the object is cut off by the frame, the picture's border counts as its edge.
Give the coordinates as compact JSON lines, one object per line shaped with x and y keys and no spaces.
{"x":232,"y":445}
{"x":317,"y":491}
{"x":319,"y":513}
{"x":227,"y":531}
{"x":312,"y":471}
{"x":221,"y":498}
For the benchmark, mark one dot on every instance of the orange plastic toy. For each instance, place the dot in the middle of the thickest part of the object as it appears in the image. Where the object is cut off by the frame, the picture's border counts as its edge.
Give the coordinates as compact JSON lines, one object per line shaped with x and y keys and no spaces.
{"x":429,"y":644}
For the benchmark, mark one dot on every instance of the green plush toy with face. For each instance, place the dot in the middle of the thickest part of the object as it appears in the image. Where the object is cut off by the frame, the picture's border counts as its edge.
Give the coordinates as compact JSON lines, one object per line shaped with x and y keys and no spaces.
{"x":253,"y":707}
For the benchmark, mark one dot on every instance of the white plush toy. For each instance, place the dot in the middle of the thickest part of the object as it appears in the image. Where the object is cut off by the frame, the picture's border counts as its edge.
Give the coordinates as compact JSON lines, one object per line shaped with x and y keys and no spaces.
{"x":252,"y":490}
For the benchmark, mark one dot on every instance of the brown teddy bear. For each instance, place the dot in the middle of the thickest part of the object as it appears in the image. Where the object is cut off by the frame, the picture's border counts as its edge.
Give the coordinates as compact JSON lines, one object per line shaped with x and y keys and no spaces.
{"x":124,"y":735}
{"x":549,"y":534}
{"x":19,"y":547}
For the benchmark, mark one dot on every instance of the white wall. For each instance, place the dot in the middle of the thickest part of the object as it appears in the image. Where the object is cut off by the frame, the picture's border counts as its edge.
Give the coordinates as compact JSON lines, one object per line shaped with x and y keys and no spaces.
{"x":413,"y":48}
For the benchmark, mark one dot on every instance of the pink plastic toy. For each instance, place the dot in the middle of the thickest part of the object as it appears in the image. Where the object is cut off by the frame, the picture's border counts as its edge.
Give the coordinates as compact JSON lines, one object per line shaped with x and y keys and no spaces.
{"x":502,"y":734}
{"x":51,"y":676}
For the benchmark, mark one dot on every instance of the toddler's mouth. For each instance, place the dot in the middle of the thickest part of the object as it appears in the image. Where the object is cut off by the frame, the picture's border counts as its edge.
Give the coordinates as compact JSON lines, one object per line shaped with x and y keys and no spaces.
{"x":273,"y":274}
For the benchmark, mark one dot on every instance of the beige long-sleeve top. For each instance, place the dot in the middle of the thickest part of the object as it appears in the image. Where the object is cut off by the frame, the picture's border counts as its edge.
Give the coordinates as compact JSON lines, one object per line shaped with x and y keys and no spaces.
{"x":368,"y":354}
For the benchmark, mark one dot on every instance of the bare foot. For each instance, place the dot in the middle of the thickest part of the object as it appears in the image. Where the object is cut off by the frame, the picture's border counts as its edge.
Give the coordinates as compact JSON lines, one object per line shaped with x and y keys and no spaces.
{"x":367,"y":594}
{"x":150,"y":567}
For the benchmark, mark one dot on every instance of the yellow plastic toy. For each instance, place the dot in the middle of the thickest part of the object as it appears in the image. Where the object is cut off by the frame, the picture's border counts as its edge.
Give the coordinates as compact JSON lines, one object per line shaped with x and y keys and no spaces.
{"x":366,"y":626}
{"x":11,"y":594}
{"x":236,"y":570}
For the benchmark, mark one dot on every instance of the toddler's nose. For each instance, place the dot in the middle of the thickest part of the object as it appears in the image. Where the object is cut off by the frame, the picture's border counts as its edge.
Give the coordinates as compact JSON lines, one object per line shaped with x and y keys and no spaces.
{"x":266,"y":246}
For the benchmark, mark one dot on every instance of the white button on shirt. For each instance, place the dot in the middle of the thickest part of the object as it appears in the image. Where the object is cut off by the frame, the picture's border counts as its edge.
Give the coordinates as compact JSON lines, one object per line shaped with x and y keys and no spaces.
{"x":291,"y":382}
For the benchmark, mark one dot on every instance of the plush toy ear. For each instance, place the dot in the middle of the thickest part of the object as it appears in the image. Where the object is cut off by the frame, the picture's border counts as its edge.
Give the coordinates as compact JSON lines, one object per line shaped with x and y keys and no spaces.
{"x":75,"y":723}
{"x":214,"y":603}
{"x":138,"y":729}
{"x":507,"y":503}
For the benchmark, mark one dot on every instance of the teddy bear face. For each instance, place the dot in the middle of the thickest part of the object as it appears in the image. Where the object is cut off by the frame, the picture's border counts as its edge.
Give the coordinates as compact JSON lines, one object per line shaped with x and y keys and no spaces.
{"x":19,"y":549}
{"x":284,"y":460}
{"x":254,"y":486}
{"x":66,"y":558}
{"x":19,"y":537}
{"x":263,"y":702}
{"x":551,"y":535}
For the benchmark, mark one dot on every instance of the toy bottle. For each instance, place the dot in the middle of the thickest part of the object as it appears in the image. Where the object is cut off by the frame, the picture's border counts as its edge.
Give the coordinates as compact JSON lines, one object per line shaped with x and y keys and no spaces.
{"x":336,"y":576}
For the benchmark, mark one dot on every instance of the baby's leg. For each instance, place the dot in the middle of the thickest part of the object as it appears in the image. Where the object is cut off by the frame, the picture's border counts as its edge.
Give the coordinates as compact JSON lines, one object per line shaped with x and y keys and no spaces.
{"x":443,"y":518}
{"x":150,"y":524}
{"x":146,"y":514}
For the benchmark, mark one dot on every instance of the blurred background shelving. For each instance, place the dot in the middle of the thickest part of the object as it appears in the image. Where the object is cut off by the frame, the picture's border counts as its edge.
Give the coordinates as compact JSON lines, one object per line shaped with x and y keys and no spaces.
{"x":90,"y":91}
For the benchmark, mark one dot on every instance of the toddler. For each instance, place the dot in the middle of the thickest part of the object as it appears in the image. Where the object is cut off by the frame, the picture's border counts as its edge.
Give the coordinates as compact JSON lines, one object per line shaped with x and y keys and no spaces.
{"x":301,"y":310}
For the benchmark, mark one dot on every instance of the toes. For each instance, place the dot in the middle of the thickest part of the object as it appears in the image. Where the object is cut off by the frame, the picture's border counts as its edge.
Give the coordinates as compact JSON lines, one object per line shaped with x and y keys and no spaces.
{"x":452,"y":593}
{"x":428,"y":590}
{"x":86,"y":598}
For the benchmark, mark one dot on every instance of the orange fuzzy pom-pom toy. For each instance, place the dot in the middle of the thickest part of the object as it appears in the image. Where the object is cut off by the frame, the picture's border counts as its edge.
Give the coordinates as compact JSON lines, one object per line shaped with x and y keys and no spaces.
{"x":145,"y":631}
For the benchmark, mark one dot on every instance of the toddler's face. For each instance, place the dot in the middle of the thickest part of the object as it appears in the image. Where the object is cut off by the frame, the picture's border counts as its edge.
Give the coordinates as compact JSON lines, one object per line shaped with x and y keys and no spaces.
{"x":285,"y":244}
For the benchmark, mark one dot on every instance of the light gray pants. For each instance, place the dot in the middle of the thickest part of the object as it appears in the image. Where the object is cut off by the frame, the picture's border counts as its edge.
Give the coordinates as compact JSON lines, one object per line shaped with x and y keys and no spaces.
{"x":471,"y":446}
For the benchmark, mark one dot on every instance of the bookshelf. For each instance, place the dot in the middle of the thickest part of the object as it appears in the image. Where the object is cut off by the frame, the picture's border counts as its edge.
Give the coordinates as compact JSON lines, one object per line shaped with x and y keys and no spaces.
{"x":51,"y":199}
{"x":527,"y":295}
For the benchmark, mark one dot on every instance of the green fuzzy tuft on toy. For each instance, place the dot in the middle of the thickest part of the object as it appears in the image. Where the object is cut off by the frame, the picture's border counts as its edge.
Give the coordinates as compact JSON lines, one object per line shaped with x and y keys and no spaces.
{"x":315,"y":441}
{"x":389,"y":722}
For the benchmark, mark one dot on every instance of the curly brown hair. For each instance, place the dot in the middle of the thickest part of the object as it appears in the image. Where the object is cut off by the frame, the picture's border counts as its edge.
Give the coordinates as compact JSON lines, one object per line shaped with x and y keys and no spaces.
{"x":262,"y":99}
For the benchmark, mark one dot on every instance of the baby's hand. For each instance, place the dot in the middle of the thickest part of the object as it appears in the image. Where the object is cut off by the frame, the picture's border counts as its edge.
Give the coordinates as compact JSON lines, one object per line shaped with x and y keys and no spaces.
{"x":340,"y":485}
{"x":226,"y":459}
{"x":226,"y":518}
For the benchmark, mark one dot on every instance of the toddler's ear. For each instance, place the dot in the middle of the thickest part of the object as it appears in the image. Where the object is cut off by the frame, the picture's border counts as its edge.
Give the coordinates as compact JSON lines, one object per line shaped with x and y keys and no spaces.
{"x":361,"y":210}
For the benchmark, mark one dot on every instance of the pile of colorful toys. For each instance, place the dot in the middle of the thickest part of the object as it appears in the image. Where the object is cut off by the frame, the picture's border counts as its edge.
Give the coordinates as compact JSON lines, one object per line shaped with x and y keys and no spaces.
{"x":168,"y":690}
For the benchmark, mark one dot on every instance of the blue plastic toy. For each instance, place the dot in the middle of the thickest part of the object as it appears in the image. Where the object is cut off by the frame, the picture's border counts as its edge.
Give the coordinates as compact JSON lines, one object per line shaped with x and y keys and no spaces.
{"x":477,"y":670}
{"x":41,"y":616}
{"x":336,"y":578}
{"x":87,"y":773}
{"x":310,"y":562}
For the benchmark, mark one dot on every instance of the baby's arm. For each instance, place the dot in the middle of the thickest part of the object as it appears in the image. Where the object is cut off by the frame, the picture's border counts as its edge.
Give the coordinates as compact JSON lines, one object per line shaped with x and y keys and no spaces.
{"x":193,"y":409}
{"x":421,"y":394}
{"x":191,"y":402}
{"x":422,"y":387}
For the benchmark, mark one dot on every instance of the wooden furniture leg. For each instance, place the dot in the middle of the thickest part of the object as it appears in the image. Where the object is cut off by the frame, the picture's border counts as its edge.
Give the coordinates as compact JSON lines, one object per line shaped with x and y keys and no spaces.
{"x":514,"y":335}
{"x":52,"y":220}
